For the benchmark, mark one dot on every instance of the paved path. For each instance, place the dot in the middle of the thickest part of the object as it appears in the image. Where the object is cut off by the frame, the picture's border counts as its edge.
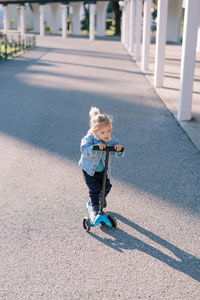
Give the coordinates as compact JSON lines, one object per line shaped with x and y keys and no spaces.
{"x":154,"y":253}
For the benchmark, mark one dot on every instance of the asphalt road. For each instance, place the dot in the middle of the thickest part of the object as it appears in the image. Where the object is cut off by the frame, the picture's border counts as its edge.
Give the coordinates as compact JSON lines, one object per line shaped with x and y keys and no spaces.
{"x":154,"y":253}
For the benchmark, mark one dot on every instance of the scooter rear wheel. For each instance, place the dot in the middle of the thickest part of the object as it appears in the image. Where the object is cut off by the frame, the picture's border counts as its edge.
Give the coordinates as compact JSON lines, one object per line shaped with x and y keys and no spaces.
{"x":112,"y":221}
{"x":86,"y":224}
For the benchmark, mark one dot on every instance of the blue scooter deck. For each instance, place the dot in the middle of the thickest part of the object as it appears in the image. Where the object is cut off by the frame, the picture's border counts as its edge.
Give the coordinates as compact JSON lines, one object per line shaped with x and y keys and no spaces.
{"x":96,"y":220}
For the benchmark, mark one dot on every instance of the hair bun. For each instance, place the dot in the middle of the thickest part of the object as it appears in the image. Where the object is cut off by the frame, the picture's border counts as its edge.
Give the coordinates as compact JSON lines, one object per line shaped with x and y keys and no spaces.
{"x":94,"y":111}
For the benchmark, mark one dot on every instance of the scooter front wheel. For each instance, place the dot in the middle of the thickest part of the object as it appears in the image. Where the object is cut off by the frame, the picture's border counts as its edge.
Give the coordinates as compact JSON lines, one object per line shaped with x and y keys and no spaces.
{"x":86,"y":224}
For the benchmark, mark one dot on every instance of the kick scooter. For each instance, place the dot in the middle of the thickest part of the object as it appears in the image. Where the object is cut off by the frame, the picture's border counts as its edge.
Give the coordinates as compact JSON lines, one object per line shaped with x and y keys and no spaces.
{"x":101,"y":217}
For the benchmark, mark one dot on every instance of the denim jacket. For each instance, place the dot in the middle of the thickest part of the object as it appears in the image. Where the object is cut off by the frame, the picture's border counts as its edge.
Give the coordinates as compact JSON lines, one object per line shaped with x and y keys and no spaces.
{"x":90,"y":159}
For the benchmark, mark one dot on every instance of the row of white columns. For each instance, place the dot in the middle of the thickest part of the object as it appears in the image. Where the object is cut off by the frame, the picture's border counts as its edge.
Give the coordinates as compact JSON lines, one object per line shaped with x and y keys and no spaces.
{"x":38,"y":11}
{"x":132,"y":29}
{"x":131,"y":38}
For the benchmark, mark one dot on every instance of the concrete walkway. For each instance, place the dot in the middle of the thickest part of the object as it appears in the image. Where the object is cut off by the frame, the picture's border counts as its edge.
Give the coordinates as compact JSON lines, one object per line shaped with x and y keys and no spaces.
{"x":154,"y":253}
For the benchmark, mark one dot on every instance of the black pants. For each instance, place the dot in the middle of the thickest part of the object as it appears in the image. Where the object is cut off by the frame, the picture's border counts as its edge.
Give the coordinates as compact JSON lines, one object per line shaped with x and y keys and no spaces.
{"x":94,"y":184}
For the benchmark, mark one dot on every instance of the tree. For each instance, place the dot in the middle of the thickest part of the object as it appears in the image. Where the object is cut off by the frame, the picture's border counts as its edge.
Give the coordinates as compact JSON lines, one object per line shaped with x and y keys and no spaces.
{"x":85,"y":21}
{"x":118,"y":13}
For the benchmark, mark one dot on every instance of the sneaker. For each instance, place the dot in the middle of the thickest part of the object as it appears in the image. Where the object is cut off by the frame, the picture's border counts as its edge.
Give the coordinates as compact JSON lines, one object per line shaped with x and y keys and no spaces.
{"x":95,"y":210}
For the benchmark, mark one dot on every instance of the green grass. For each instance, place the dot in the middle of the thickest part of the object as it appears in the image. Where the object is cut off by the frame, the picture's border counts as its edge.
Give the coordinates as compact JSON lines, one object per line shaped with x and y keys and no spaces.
{"x":2,"y":50}
{"x":110,"y":31}
{"x":9,"y":50}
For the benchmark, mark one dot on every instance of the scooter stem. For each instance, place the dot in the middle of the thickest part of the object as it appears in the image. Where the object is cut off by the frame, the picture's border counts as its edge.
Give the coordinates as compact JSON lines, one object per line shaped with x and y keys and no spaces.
{"x":104,"y":182}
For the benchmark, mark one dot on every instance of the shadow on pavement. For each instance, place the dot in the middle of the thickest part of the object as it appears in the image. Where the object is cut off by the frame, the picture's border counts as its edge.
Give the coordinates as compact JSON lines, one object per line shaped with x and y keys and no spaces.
{"x":86,"y":53}
{"x":120,"y":240}
{"x":160,"y":159}
{"x":107,"y":68}
{"x":175,"y":89}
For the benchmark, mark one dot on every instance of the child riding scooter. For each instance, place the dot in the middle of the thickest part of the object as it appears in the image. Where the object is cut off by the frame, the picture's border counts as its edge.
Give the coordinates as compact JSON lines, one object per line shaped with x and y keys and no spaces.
{"x":94,"y":161}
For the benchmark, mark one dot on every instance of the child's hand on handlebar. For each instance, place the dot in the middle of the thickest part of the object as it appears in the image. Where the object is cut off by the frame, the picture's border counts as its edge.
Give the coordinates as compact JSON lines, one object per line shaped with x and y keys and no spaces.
{"x":102,"y":146}
{"x":118,"y":147}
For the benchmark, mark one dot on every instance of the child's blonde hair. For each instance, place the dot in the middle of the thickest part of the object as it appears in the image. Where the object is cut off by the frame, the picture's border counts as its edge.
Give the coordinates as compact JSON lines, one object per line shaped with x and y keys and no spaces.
{"x":97,"y":119}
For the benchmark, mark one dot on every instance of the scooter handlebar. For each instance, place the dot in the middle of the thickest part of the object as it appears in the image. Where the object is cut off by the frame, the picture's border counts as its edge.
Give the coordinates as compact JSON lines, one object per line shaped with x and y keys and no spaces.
{"x":108,"y":148}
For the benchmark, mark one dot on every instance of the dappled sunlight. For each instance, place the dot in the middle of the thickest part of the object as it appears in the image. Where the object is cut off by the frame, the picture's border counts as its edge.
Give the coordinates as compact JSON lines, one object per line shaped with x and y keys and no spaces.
{"x":90,"y":82}
{"x":45,"y":99}
{"x":89,"y":79}
{"x":47,"y":108}
{"x":72,"y":83}
{"x":67,"y":81}
{"x":62,"y":178}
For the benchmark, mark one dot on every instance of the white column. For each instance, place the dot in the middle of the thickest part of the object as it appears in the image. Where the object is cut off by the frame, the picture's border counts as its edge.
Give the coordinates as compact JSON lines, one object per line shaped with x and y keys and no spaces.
{"x":126,"y":23}
{"x":47,"y":16}
{"x":55,"y":17}
{"x":12,"y":16}
{"x":132,"y":26}
{"x":123,"y":22}
{"x":191,"y":21}
{"x":76,"y":25}
{"x":28,"y":17}
{"x":92,"y":22}
{"x":22,"y":22}
{"x":18,"y":18}
{"x":174,"y":21}
{"x":36,"y":17}
{"x":101,"y":17}
{"x":5,"y":18}
{"x":146,"y":38}
{"x":41,"y":20}
{"x":138,"y":29}
{"x":64,"y":20}
{"x":198,"y":39}
{"x":160,"y":42}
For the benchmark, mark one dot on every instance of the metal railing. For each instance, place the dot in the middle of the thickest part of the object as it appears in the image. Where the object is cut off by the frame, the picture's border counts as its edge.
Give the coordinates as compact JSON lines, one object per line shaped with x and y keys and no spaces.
{"x":15,"y":44}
